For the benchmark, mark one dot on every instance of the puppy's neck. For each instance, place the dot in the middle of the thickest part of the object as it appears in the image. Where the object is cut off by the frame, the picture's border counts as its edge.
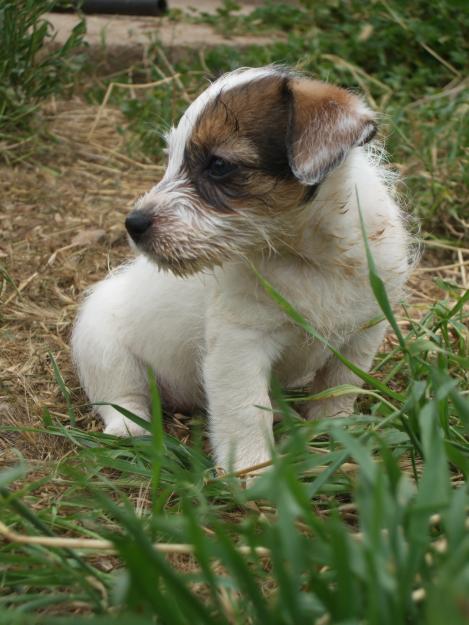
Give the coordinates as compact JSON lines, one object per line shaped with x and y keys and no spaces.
{"x":328,"y":225}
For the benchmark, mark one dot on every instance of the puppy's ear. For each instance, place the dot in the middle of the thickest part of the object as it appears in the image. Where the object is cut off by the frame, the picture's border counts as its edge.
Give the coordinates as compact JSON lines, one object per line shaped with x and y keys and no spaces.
{"x":325,"y":123}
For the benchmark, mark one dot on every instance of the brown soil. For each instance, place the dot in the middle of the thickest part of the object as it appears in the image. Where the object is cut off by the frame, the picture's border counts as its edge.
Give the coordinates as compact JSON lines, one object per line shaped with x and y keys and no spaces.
{"x":117,"y":41}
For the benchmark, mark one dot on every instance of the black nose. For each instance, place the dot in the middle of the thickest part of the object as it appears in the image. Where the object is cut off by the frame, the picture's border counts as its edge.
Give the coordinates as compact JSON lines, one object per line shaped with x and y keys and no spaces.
{"x":137,"y":223}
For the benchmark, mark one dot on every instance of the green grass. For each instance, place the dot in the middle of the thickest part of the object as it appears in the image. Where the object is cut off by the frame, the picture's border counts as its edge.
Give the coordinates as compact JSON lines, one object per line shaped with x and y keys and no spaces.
{"x":347,"y":511}
{"x":27,"y":74}
{"x":358,"y":521}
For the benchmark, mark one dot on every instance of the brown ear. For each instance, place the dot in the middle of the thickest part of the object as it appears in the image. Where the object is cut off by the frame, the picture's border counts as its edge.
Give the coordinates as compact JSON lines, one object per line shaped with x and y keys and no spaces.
{"x":325,"y":123}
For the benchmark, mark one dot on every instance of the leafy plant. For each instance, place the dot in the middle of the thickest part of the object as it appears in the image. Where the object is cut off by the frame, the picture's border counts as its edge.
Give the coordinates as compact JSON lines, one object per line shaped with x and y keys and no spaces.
{"x":29,"y":72}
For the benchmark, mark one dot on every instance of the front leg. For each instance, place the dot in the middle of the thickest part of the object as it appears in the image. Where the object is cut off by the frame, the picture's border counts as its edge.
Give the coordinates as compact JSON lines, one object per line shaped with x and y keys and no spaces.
{"x":237,"y":374}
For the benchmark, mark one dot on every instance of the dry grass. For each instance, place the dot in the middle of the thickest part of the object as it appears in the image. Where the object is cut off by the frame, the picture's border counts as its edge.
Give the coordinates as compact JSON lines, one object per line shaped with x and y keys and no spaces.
{"x":61,"y":231}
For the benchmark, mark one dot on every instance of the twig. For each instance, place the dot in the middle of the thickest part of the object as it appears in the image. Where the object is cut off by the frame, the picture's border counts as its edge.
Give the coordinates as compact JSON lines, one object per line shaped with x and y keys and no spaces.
{"x":12,"y":146}
{"x":20,"y":288}
{"x":242,"y":472}
{"x":446,"y":92}
{"x":354,"y":69}
{"x":446,"y":246}
{"x":462,"y":269}
{"x":439,"y":58}
{"x":457,"y":265}
{"x":203,"y":62}
{"x":174,"y":75}
{"x":53,"y":256}
{"x":404,"y":26}
{"x":100,"y":544}
{"x":127,"y":159}
{"x":124,"y":85}
{"x":422,"y":295}
{"x":346,"y":467}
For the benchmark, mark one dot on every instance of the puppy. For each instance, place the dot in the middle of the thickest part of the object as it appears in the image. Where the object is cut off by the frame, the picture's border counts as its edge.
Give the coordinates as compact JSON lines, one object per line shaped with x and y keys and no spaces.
{"x":264,"y":169}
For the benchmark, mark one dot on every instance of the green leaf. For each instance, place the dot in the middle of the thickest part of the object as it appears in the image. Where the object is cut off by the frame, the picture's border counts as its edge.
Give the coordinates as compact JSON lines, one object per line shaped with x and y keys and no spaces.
{"x":435,"y":488}
{"x":64,"y":390}
{"x":377,"y":285}
{"x":157,"y":433}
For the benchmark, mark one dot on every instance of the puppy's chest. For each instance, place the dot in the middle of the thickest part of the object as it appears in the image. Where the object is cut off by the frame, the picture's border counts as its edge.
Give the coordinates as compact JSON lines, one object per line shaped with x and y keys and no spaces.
{"x":331,"y":302}
{"x":329,"y":298}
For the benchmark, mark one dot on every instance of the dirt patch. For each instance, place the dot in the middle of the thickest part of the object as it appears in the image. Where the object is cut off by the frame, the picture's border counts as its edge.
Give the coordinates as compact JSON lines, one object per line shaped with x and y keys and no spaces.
{"x":117,"y":41}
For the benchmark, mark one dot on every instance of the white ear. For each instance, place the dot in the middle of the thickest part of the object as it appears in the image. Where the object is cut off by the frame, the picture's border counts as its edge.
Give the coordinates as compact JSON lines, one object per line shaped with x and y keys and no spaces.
{"x":325,"y":123}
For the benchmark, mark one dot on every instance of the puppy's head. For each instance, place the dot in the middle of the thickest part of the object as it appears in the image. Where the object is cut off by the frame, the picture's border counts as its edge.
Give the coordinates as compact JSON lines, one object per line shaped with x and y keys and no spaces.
{"x":246,"y":154}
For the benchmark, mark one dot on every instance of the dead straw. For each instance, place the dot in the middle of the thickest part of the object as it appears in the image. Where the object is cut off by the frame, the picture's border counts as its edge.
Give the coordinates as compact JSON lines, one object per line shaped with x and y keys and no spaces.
{"x":100,"y":544}
{"x":131,"y":86}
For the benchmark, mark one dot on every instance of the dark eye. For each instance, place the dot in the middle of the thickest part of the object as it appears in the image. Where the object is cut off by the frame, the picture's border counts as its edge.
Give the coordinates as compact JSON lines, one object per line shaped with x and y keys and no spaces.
{"x":218,"y":168}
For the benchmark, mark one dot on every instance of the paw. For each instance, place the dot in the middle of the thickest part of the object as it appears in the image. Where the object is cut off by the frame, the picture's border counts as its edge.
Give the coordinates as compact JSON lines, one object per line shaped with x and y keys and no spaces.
{"x":253,"y":459}
{"x":125,"y":428}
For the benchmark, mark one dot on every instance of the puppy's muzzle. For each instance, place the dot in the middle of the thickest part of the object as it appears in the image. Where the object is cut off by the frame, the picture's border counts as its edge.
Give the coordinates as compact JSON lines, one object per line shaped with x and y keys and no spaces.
{"x":137,"y":224}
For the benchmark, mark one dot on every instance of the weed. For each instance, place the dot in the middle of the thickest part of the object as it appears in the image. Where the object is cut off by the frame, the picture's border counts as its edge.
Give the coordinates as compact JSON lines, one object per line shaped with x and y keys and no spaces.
{"x":28,"y":73}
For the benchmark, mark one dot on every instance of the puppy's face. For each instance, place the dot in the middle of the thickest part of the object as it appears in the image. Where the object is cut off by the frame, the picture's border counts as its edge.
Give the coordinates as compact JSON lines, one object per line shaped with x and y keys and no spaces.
{"x":246,"y":155}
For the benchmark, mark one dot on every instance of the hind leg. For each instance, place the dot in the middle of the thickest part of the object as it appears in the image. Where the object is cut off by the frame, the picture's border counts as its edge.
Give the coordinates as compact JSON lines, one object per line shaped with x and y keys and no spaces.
{"x":119,"y":425}
{"x":108,"y":371}
{"x":360,"y":349}
{"x":135,"y":319}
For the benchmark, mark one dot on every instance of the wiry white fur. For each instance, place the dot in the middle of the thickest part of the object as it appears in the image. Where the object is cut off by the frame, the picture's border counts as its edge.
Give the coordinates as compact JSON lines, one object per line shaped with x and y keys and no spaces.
{"x":215,"y":338}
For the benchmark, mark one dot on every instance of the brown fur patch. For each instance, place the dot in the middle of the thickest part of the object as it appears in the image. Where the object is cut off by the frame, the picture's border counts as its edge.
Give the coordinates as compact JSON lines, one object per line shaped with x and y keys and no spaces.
{"x":326,"y":122}
{"x":377,"y":235}
{"x":253,"y":114}
{"x":246,"y":126}
{"x":314,"y":94}
{"x":282,"y":133}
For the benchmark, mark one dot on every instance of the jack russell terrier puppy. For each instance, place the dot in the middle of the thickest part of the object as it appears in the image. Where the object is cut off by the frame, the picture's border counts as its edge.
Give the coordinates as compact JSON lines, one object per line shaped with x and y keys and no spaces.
{"x":264,"y":169}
